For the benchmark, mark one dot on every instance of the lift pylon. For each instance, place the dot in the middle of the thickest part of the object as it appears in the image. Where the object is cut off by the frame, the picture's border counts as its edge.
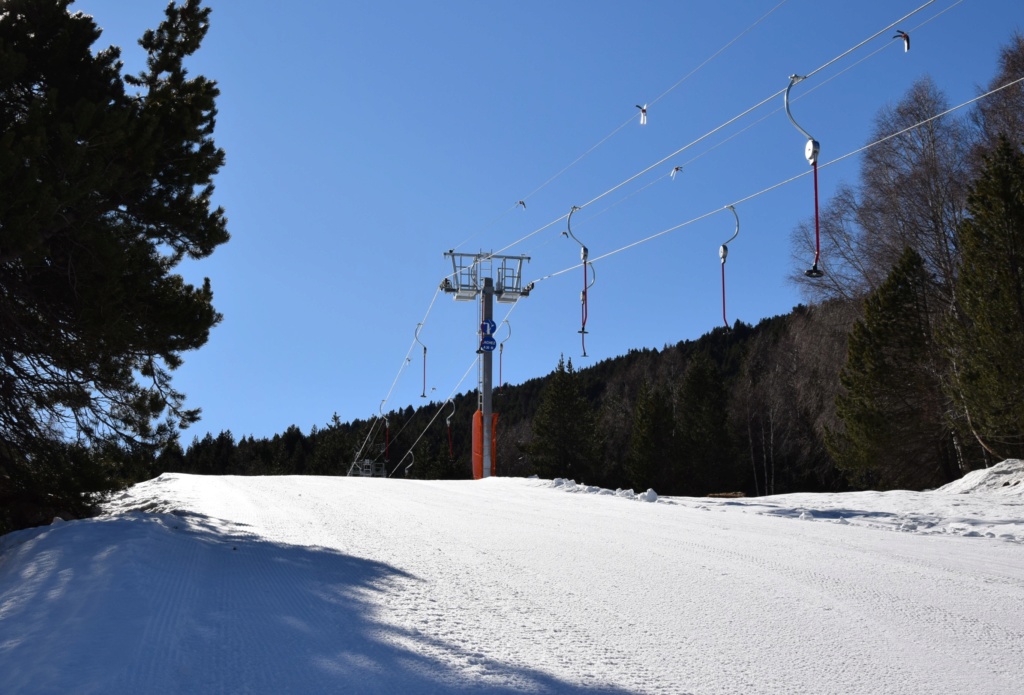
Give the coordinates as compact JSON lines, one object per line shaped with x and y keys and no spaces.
{"x":486,"y":277}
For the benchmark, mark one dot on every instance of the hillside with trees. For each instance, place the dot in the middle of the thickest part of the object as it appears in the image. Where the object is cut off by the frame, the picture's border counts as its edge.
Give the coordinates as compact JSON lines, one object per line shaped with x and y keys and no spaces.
{"x":902,"y":369}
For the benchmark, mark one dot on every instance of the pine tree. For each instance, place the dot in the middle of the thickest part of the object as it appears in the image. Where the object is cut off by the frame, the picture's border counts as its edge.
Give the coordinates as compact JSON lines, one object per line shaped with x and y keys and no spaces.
{"x":105,"y":191}
{"x":651,"y":446}
{"x":706,"y":462}
{"x":891,"y":404}
{"x":985,"y":337}
{"x":564,"y":428}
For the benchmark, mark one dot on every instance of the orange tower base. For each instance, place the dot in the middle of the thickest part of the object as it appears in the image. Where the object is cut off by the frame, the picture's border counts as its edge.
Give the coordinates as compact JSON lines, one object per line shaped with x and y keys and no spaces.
{"x":478,"y":444}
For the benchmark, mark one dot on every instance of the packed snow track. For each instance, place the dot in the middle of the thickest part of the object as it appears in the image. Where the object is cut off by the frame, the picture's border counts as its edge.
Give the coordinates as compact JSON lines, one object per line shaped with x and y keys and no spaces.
{"x":359,"y":585}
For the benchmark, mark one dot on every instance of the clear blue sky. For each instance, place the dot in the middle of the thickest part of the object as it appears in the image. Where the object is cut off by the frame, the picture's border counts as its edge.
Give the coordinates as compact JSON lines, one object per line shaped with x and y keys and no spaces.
{"x":366,"y":138}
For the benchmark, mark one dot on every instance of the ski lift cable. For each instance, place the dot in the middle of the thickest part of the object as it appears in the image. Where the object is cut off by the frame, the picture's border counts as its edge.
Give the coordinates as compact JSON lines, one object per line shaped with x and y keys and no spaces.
{"x":787,"y":181}
{"x":810,"y":90}
{"x":677,"y":152}
{"x":909,"y":128}
{"x":416,"y":337}
{"x":405,"y":363}
{"x":717,"y":53}
{"x":408,"y":354}
{"x":689,"y":145}
{"x":658,"y":98}
{"x":761,"y":103}
{"x":626,"y":197}
{"x":870,"y":38}
{"x":612,"y":134}
{"x":705,"y":136}
{"x":451,"y":395}
{"x":722,"y":126}
{"x":576,"y":161}
{"x":644,"y":171}
{"x":369,"y":436}
{"x":441,"y":408}
{"x":488,"y":225}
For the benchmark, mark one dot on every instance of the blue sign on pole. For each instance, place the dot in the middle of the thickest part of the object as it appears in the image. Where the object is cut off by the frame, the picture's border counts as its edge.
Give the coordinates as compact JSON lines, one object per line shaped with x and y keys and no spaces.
{"x":488,"y":327}
{"x":487,"y":344}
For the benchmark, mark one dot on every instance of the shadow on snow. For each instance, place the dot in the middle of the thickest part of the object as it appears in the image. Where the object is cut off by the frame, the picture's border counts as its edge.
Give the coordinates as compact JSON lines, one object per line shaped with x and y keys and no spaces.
{"x":172,"y":603}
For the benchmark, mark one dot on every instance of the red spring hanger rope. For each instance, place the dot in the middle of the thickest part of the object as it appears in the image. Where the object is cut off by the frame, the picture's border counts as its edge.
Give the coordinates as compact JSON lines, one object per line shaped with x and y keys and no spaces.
{"x":451,"y":448}
{"x":724,"y":320}
{"x":811,"y":151}
{"x":583,"y":327}
{"x":723,"y":253}
{"x":817,"y":232}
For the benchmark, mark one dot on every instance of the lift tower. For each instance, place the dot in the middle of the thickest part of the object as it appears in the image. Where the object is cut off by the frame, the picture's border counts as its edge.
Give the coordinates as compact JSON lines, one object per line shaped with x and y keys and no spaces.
{"x":474,"y":277}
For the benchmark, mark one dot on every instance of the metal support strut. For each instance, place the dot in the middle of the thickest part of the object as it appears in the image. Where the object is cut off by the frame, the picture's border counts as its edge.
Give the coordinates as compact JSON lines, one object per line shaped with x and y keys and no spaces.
{"x":723,"y":253}
{"x":587,"y":284}
{"x":811,"y":151}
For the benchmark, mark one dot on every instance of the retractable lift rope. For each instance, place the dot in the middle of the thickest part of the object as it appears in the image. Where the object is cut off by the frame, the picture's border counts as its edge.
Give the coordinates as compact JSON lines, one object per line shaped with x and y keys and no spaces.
{"x":387,"y":432}
{"x":587,"y":284}
{"x":448,"y":421}
{"x":501,"y":353}
{"x":416,"y":337}
{"x":811,"y":151}
{"x":723,"y":253}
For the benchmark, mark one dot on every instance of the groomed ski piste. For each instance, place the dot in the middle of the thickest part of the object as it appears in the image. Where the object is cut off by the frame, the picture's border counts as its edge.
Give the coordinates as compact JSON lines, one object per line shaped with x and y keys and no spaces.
{"x":191,"y":584}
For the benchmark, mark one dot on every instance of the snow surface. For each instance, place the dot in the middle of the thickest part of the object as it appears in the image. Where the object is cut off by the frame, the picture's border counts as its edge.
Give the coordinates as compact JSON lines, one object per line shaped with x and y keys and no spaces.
{"x":192,"y":584}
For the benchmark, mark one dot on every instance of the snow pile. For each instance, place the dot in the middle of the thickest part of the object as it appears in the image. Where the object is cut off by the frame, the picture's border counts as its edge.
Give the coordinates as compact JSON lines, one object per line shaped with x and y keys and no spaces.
{"x":1007,"y":478}
{"x":571,"y":486}
{"x":985,"y":503}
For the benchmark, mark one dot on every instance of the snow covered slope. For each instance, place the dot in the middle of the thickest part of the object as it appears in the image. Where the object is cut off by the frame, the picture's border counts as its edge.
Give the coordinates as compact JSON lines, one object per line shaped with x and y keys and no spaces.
{"x":342,"y":585}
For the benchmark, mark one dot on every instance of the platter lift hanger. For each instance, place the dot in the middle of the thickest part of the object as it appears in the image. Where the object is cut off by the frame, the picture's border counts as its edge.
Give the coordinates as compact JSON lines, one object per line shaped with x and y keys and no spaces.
{"x":448,"y":421}
{"x":811,"y":151}
{"x":723,"y":253}
{"x":587,"y":284}
{"x":501,"y":357}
